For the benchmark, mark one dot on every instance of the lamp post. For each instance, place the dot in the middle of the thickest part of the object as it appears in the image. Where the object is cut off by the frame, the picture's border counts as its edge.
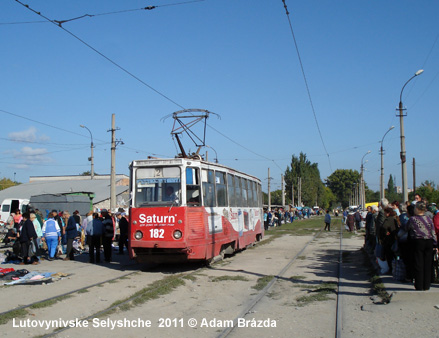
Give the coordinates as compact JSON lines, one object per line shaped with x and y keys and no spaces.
{"x":403,"y":153}
{"x":92,"y":173}
{"x":382,"y":165}
{"x":362,"y":192}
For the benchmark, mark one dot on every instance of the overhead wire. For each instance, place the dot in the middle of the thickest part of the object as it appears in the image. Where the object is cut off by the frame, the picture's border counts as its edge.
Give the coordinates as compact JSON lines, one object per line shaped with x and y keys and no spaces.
{"x":60,"y":22}
{"x":306,"y":83}
{"x":132,"y":75}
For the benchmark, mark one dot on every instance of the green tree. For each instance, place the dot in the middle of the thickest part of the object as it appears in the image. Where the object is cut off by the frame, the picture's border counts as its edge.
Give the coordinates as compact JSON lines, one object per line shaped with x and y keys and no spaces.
{"x":391,"y":191}
{"x":7,"y":183}
{"x":341,"y":182}
{"x":428,"y":191}
{"x":312,"y":186}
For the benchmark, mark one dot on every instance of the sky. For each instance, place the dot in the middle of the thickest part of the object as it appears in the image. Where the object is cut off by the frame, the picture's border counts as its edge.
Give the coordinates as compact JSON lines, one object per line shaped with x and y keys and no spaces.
{"x":235,"y":58}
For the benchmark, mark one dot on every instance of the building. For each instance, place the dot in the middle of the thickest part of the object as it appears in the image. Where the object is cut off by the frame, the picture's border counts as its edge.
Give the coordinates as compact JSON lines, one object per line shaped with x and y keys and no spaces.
{"x":97,"y":188}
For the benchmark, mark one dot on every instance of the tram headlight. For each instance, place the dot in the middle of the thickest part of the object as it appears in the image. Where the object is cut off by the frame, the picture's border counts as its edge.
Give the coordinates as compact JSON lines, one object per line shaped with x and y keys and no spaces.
{"x":138,"y":234}
{"x":177,"y":234}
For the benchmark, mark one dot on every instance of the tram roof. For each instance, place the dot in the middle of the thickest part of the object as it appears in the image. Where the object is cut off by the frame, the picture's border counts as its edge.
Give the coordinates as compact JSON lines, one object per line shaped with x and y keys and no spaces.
{"x":187,"y":161}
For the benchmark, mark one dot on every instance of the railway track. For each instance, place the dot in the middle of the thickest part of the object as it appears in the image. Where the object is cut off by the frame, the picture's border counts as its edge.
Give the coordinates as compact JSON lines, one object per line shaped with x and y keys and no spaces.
{"x":253,"y":301}
{"x":251,"y":305}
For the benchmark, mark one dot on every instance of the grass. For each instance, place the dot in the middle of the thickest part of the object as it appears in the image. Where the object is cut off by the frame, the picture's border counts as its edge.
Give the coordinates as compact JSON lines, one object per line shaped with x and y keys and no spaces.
{"x":225,"y":278}
{"x":262,"y":282}
{"x":190,"y":277}
{"x":153,"y":291}
{"x":379,"y":289}
{"x":318,"y":294}
{"x":49,"y":302}
{"x":12,"y":314}
{"x":83,"y":291}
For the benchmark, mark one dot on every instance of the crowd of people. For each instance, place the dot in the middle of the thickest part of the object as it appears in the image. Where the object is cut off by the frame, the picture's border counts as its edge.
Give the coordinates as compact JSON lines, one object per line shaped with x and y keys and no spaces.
{"x":403,"y":238}
{"x":60,"y":235}
{"x":278,"y":216}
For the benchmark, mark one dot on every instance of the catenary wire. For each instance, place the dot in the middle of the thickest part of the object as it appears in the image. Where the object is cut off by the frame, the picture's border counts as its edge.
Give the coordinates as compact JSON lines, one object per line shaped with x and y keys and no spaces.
{"x":134,"y":76}
{"x":306,"y":83}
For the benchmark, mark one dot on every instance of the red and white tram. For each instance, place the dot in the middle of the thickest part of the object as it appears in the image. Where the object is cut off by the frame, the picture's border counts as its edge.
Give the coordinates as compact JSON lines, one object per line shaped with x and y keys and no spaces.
{"x":186,"y":209}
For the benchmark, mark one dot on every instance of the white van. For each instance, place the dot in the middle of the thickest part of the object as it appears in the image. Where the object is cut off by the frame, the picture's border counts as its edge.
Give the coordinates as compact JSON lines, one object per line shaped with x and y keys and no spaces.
{"x":10,"y":205}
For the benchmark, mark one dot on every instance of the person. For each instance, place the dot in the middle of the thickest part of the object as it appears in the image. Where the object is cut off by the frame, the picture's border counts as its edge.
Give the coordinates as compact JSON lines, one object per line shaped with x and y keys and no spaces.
{"x":418,"y":198}
{"x":108,"y":234}
{"x":265,"y":219}
{"x":423,"y":240}
{"x":27,"y":234}
{"x":94,"y":233}
{"x":123,"y":231}
{"x":350,"y":220}
{"x":17,"y":219}
{"x":170,"y":194}
{"x":51,"y":235}
{"x":37,"y":226}
{"x":387,"y":235}
{"x":71,"y":234}
{"x":328,"y":220}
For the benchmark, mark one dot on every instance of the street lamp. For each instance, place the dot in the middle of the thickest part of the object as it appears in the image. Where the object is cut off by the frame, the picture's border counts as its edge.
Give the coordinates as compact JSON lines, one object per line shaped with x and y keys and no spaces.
{"x":91,"y":147}
{"x":362,"y":192}
{"x":382,"y":165}
{"x":403,"y":153}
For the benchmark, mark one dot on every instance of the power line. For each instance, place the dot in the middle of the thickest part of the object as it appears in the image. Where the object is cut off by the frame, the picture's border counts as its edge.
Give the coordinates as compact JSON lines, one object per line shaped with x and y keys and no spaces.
{"x":60,"y":22}
{"x":306,"y":84}
{"x":101,"y":54}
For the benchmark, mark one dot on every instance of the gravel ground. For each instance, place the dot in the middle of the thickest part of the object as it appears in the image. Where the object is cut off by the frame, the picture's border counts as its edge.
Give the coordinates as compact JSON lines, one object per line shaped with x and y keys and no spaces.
{"x":301,"y":302}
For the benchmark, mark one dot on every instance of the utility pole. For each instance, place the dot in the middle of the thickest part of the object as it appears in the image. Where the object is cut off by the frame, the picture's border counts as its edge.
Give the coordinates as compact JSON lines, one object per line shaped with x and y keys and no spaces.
{"x":283,"y":190}
{"x":299,"y":191}
{"x":269,"y":192}
{"x":414,"y":176}
{"x":292,"y":194}
{"x":114,"y":144}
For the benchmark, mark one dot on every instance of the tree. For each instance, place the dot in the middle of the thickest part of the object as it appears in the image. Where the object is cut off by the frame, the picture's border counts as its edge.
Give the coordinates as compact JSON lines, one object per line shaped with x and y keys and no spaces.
{"x":341,"y":182}
{"x":391,"y":191}
{"x":312,"y":185}
{"x":7,"y":183}
{"x":87,"y":173}
{"x":428,"y":191}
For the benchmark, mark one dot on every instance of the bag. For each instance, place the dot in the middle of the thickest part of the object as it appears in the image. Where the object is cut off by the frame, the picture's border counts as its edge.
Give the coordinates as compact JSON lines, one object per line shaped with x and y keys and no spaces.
{"x":384,"y":267}
{"x":32,"y":251}
{"x":398,"y":269}
{"x":403,"y":236}
{"x":435,"y":273}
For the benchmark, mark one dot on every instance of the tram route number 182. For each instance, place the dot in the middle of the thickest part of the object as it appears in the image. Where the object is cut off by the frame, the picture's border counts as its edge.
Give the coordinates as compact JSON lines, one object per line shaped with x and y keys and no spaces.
{"x":157,"y":233}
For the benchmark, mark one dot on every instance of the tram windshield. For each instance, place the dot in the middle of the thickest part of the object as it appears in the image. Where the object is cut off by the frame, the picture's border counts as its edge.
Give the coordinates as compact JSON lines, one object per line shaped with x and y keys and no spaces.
{"x":158,"y":186}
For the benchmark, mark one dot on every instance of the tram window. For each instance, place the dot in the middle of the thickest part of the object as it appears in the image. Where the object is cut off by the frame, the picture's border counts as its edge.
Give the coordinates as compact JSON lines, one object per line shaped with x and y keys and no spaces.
{"x":238,"y":191}
{"x":221,"y":190}
{"x":193,"y":195}
{"x":259,"y":195}
{"x":231,"y":190}
{"x":251,"y":198}
{"x":208,"y":188}
{"x":157,"y":186}
{"x":244,"y":192}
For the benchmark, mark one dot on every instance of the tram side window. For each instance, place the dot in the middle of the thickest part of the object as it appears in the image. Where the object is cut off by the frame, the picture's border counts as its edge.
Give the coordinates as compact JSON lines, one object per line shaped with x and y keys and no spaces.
{"x":221,"y":189}
{"x":244,"y":192}
{"x":251,"y":198}
{"x":193,"y":195}
{"x":231,"y":190}
{"x":238,"y":191}
{"x":208,"y":188}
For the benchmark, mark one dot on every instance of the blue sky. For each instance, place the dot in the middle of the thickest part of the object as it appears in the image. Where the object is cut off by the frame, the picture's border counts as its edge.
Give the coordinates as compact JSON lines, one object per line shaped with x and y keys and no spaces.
{"x":234,"y":58}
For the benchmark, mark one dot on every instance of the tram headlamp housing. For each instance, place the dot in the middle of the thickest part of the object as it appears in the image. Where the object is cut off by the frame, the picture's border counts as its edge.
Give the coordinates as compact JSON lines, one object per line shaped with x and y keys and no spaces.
{"x":138,"y":234}
{"x":177,"y":234}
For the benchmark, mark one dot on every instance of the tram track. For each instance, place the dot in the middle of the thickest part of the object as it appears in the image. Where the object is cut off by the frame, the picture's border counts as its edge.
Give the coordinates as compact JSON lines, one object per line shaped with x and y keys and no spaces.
{"x":256,"y":300}
{"x":201,"y":274}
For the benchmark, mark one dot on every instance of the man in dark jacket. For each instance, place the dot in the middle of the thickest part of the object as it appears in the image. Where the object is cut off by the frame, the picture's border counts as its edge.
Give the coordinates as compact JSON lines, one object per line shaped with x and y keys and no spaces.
{"x":123,"y":232}
{"x":27,"y":234}
{"x":108,"y":235}
{"x":71,"y":233}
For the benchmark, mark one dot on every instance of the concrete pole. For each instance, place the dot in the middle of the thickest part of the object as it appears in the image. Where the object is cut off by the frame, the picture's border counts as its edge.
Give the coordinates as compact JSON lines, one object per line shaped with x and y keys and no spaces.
{"x":283,"y":190}
{"x":113,"y":164}
{"x":269,"y":193}
{"x":414,"y":176}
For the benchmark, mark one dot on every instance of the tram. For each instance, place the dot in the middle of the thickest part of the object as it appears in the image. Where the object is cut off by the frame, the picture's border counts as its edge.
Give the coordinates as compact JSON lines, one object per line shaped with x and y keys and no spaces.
{"x":189,"y":209}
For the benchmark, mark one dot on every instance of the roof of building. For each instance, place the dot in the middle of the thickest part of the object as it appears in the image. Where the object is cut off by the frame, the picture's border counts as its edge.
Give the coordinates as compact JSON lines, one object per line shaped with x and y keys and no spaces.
{"x":100,"y":188}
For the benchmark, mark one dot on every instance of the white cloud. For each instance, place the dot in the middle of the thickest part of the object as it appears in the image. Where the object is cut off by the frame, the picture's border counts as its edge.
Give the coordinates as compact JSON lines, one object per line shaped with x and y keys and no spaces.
{"x":29,"y":156}
{"x":29,"y":135}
